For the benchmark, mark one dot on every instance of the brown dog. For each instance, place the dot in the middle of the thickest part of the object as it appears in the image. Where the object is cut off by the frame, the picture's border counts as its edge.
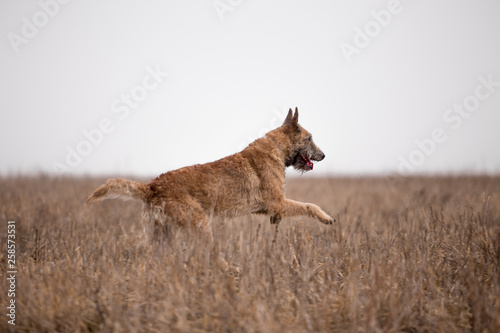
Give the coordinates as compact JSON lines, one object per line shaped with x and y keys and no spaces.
{"x":251,"y":181}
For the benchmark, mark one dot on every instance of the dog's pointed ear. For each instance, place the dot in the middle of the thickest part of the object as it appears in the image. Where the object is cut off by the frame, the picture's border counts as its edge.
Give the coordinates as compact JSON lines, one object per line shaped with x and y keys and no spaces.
{"x":288,"y":119}
{"x":295,"y":119}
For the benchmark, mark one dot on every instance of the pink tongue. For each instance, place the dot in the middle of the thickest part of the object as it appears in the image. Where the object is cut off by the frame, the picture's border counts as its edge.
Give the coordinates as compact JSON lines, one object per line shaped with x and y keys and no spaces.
{"x":310,"y":164}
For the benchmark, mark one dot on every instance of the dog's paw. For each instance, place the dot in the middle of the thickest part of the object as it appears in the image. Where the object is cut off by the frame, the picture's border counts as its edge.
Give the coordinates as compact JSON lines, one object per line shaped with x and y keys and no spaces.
{"x":275,"y":219}
{"x":328,"y":220}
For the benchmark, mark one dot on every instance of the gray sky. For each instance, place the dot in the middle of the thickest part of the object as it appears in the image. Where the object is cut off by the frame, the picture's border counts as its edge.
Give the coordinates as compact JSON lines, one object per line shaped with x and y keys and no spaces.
{"x":143,"y":87}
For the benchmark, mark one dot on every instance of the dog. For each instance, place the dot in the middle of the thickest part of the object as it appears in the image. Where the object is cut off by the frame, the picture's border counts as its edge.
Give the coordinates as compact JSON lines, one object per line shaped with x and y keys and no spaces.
{"x":249,"y":182}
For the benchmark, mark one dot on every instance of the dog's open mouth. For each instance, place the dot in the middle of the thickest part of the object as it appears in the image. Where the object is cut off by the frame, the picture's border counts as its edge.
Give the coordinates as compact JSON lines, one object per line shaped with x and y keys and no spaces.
{"x":307,"y":162}
{"x":302,"y":162}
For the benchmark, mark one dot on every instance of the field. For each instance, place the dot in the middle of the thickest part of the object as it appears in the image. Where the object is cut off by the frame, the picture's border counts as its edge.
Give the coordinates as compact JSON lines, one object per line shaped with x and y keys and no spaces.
{"x":420,"y":254}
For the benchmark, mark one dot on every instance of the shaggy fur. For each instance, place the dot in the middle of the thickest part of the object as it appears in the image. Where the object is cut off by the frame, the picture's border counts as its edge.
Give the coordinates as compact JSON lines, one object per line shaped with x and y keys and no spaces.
{"x":249,"y":182}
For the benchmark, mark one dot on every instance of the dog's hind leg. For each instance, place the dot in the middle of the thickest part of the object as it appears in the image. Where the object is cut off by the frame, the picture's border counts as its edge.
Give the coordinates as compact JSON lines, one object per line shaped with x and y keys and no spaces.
{"x":155,"y":223}
{"x":189,"y":214}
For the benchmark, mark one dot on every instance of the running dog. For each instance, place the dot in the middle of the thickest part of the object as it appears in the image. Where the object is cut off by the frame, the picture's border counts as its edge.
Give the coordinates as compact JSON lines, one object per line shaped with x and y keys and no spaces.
{"x":249,"y":182}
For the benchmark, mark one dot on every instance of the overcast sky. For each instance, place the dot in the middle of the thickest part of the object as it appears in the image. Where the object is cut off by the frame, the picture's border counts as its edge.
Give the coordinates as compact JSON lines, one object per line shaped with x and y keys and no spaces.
{"x":143,"y":87}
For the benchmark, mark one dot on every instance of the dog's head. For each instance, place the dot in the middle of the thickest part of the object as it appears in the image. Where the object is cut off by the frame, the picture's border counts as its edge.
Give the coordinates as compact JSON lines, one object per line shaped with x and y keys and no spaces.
{"x":302,"y":150}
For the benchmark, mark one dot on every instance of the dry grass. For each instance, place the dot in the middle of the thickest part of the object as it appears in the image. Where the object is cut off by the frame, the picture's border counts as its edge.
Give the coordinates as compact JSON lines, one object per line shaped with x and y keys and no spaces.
{"x":422,"y":256}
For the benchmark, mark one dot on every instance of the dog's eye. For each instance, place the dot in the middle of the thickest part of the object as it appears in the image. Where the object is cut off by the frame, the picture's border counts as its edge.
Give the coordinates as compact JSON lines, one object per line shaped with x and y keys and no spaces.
{"x":309,"y":138}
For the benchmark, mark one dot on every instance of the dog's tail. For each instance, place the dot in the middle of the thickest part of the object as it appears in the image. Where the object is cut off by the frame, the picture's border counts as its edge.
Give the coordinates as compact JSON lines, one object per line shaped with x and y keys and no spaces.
{"x":119,"y":188}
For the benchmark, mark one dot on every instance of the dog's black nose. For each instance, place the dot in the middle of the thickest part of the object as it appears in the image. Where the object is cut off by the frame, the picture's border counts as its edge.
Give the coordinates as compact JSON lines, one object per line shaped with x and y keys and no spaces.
{"x":321,"y":156}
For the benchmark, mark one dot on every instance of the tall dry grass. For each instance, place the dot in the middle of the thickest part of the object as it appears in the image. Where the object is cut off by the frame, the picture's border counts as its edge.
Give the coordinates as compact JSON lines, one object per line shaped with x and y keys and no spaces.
{"x":421,"y":256}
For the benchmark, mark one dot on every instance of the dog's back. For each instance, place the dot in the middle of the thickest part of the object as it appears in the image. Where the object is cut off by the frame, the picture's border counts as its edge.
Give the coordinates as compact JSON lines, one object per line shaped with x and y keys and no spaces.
{"x":229,"y":186}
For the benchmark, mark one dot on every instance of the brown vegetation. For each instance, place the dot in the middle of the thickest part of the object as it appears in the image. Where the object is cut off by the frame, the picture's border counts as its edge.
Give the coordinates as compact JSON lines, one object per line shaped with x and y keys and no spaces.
{"x":423,"y":255}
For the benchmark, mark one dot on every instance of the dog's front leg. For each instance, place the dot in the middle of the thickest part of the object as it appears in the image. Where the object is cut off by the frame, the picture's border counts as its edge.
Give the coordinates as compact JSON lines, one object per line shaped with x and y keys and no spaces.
{"x":275,"y":219}
{"x":295,"y":208}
